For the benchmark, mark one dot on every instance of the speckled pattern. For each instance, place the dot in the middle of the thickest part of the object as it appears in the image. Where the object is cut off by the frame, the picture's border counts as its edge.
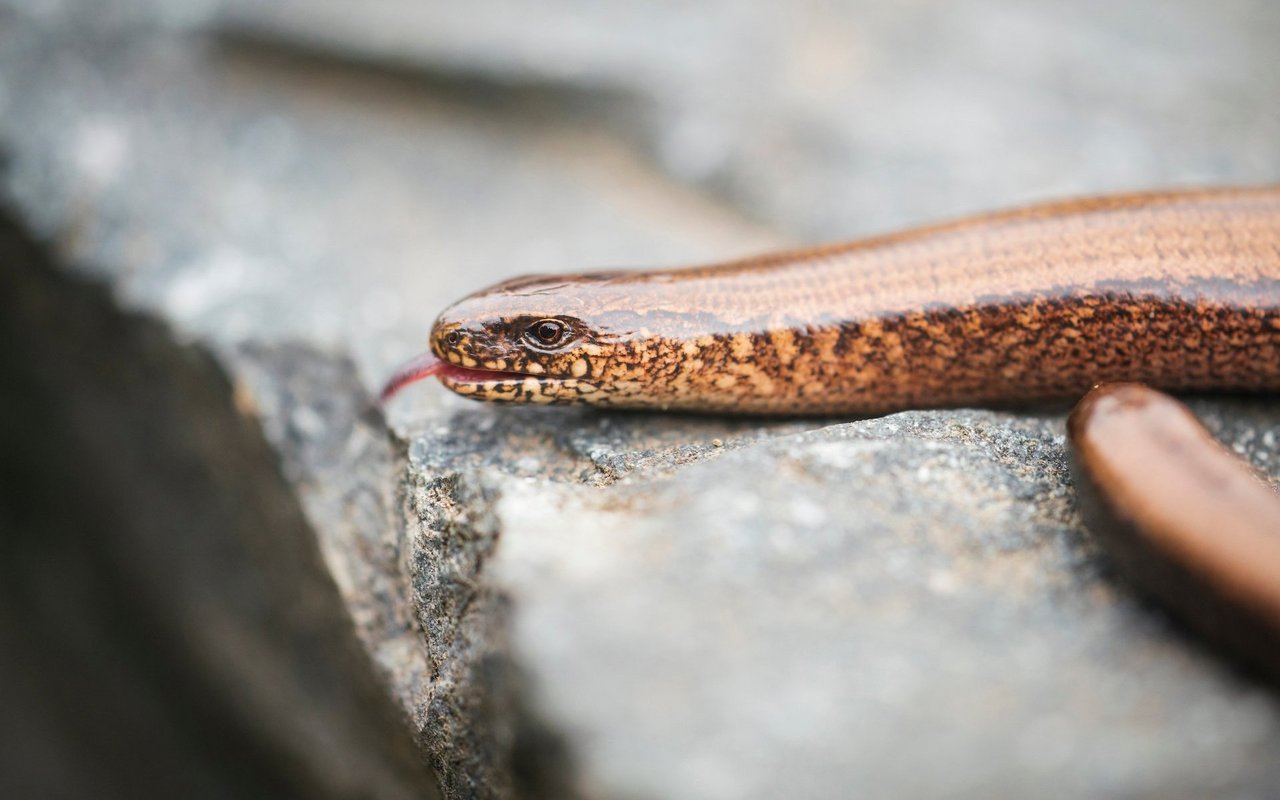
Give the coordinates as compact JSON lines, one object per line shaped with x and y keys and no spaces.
{"x":1178,"y":290}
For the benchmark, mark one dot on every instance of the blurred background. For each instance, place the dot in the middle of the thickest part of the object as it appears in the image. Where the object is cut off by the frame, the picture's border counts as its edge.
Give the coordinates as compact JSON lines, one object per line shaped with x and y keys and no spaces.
{"x":328,"y":175}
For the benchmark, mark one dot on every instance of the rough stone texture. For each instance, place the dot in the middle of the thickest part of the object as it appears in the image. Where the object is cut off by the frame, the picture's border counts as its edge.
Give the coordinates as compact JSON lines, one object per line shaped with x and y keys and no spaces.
{"x":906,"y":603}
{"x":615,"y":605}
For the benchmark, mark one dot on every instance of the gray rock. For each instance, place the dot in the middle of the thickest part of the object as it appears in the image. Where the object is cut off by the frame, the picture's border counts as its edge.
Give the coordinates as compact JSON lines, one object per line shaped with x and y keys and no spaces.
{"x":903,"y":605}
{"x":614,"y":605}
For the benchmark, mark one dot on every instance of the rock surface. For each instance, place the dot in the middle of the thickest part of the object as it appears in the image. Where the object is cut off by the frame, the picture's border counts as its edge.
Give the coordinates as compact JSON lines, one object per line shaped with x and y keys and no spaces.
{"x":168,"y":627}
{"x":615,"y":605}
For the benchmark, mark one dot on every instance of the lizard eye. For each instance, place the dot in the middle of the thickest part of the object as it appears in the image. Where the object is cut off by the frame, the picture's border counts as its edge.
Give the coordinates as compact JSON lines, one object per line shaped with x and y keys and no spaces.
{"x":547,"y":333}
{"x":452,"y":337}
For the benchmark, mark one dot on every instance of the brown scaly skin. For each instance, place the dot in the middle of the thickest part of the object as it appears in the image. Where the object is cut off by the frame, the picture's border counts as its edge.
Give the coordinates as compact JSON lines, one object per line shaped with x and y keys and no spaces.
{"x":1177,"y":290}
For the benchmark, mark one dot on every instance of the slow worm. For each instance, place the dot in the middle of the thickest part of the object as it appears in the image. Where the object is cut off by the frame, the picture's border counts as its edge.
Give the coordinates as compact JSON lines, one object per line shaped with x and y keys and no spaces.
{"x":1176,"y":290}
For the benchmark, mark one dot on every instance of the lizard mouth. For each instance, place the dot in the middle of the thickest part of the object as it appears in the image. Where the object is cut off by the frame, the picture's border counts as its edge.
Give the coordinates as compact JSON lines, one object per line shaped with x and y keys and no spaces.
{"x":451,"y":375}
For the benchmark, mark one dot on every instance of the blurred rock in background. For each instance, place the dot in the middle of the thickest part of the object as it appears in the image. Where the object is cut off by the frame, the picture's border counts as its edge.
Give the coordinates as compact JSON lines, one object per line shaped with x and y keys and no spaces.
{"x":562,"y":603}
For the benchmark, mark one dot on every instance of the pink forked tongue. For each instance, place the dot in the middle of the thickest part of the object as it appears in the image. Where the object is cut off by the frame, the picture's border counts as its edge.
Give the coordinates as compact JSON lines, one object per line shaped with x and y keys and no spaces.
{"x":412,"y":371}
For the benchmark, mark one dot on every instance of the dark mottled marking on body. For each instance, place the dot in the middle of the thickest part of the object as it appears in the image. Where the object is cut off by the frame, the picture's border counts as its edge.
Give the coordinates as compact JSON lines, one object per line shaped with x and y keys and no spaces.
{"x":1177,"y":290}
